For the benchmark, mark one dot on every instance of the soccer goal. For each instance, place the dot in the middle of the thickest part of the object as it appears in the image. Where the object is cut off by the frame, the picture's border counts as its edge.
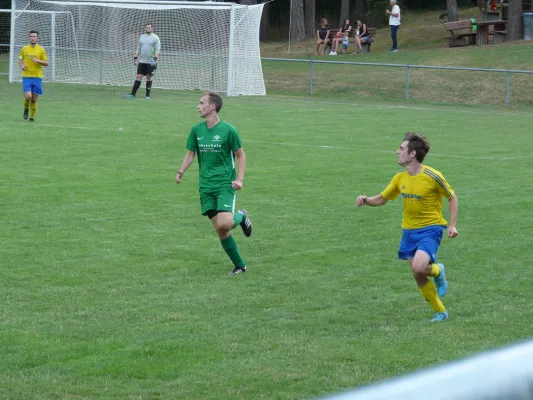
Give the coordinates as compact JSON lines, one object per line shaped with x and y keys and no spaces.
{"x":57,"y":34}
{"x":204,"y":45}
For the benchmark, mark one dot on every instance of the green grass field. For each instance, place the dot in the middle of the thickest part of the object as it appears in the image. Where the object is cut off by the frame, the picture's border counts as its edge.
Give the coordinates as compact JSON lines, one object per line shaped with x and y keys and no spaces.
{"x":113,"y":286}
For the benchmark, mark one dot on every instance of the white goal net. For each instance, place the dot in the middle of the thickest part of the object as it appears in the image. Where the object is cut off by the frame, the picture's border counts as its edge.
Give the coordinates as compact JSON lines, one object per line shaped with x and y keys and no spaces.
{"x":204,"y":45}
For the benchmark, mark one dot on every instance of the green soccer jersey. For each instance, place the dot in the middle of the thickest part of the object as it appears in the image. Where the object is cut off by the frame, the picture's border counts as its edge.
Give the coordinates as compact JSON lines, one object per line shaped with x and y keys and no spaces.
{"x":215,"y":150}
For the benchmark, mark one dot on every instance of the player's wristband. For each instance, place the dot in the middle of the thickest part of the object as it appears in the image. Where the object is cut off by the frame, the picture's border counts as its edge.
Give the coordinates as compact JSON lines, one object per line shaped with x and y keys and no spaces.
{"x":179,"y":172}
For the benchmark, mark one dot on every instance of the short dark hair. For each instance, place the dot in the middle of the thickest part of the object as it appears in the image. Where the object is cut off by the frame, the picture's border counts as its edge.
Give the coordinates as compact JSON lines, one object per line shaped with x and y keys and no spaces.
{"x":214,"y":98}
{"x":33,"y":32}
{"x":148,"y":23}
{"x":418,"y":143}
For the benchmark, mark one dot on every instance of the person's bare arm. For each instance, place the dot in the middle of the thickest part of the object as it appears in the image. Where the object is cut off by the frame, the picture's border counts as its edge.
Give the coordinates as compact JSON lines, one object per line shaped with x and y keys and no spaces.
{"x":374,"y":201}
{"x":453,"y":205}
{"x":44,"y":63}
{"x":241,"y":167}
{"x":187,"y":161}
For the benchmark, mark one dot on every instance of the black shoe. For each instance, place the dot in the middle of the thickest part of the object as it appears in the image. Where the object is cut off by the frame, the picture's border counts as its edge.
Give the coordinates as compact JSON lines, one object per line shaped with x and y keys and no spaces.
{"x":246,"y":224}
{"x":25,"y":115}
{"x":32,"y":120}
{"x":237,"y":270}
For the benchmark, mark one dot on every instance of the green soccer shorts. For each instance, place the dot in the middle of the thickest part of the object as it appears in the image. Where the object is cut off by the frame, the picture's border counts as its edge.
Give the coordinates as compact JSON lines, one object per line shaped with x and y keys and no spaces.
{"x":218,"y":200}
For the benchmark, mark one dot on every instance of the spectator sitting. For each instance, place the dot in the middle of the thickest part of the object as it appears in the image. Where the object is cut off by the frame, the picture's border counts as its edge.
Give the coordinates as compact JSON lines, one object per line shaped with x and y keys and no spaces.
{"x":322,"y":34}
{"x":362,"y":36}
{"x":342,"y":36}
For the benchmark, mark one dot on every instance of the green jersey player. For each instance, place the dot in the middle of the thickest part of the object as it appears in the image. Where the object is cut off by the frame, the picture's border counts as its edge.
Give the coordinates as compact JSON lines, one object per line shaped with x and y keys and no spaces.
{"x":217,"y":145}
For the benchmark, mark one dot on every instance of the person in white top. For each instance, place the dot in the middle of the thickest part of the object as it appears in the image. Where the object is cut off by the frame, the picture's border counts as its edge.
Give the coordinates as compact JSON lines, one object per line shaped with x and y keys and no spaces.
{"x":394,"y":22}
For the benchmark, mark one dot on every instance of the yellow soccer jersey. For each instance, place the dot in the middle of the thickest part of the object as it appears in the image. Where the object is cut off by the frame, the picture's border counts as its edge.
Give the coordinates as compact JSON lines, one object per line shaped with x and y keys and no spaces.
{"x":422,"y":197}
{"x":33,"y":70}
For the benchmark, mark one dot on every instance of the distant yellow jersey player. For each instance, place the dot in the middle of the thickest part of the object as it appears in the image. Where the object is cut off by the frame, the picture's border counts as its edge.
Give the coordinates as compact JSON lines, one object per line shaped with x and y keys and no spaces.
{"x":422,"y":189}
{"x":31,"y":60}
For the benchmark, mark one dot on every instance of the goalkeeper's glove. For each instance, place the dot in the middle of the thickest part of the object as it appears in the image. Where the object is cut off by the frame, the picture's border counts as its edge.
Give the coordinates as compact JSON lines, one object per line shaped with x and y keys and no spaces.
{"x":135,"y":59}
{"x":154,"y":62}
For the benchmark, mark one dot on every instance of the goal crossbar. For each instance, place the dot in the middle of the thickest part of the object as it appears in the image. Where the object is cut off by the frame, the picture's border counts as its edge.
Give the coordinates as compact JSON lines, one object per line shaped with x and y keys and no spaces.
{"x":35,"y":12}
{"x":155,"y":5}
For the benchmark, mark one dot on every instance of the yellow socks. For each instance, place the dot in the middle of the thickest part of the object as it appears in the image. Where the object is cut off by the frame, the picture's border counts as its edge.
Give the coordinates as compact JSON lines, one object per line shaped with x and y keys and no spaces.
{"x":26,"y":104}
{"x":430,"y":294}
{"x":33,"y":110}
{"x":435,"y":270}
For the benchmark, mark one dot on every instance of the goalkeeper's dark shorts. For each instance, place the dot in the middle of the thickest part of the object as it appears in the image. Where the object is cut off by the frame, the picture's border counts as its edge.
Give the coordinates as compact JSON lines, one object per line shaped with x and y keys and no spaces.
{"x":145,"y":69}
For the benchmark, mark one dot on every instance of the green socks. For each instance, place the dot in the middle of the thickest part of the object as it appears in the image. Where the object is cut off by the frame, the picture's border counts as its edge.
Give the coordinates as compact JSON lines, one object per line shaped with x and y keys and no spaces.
{"x":237,"y":219}
{"x":230,"y":247}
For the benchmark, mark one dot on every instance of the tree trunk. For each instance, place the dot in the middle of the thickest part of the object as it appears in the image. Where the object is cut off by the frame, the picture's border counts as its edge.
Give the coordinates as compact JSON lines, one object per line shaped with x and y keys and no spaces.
{"x":310,"y":18}
{"x":514,"y":22}
{"x":265,"y":21}
{"x":359,"y":7}
{"x":451,"y":8}
{"x":345,"y":11}
{"x":297,"y":21}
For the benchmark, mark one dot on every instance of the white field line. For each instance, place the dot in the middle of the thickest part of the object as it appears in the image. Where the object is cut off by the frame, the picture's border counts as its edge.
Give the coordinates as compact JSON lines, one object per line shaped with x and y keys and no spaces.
{"x":271,"y":143}
{"x":366,"y":106}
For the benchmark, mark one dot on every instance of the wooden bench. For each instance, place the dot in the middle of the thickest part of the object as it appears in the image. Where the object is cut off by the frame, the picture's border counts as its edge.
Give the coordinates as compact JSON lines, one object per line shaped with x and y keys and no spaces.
{"x":461,"y":33}
{"x":351,"y":38}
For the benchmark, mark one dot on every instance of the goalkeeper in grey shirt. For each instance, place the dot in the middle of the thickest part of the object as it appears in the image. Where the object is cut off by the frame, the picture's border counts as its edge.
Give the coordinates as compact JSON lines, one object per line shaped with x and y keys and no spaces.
{"x":146,"y":56}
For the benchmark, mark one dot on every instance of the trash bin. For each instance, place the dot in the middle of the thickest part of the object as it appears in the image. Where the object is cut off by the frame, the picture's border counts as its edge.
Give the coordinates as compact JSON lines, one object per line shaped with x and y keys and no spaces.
{"x":528,"y":26}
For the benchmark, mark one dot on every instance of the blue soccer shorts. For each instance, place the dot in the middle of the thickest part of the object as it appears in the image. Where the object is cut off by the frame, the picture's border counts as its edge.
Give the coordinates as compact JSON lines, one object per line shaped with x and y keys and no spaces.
{"x":33,"y":85}
{"x":425,"y":239}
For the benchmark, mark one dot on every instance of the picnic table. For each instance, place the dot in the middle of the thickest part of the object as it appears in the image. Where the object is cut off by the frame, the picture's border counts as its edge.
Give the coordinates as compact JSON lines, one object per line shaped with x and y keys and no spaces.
{"x":483,"y":29}
{"x":464,"y":32}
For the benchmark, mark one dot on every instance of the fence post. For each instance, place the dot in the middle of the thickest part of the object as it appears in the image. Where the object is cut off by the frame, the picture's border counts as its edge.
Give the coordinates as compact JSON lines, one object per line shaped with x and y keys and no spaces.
{"x":310,"y":76}
{"x":407,"y":82}
{"x":507,"y":89}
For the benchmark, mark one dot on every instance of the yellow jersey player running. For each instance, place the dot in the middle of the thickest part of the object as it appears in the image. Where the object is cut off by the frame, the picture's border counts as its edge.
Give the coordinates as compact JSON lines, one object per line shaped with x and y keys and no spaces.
{"x":217,"y":145}
{"x":31,"y":60}
{"x":422,"y":189}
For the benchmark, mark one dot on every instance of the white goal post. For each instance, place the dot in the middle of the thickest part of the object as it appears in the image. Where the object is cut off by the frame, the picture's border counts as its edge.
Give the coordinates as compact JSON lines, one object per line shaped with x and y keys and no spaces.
{"x":204,"y":45}
{"x":505,"y":373}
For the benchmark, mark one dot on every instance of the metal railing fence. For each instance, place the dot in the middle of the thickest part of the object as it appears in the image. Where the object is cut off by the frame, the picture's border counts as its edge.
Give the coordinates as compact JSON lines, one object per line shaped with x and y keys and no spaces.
{"x":409,"y":68}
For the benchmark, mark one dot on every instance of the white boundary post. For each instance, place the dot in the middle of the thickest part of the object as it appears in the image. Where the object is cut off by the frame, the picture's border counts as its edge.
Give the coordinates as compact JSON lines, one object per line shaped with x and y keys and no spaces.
{"x":231,"y":50}
{"x":12,"y":42}
{"x":53,"y":47}
{"x":505,"y":373}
